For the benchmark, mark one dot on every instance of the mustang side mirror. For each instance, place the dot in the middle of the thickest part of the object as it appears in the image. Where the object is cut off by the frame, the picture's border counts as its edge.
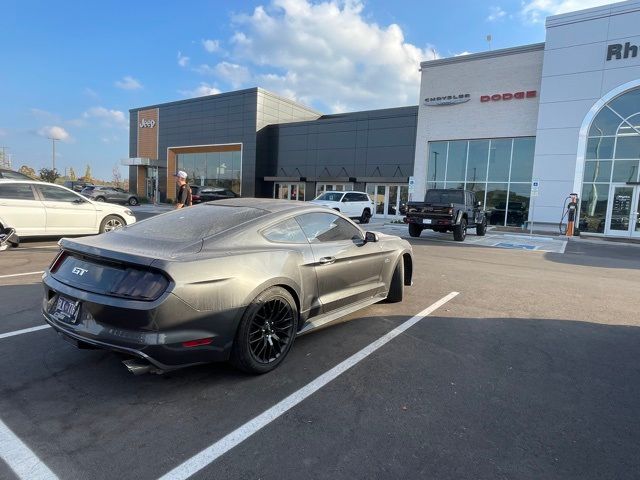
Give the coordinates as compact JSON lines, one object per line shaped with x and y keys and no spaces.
{"x":370,"y":237}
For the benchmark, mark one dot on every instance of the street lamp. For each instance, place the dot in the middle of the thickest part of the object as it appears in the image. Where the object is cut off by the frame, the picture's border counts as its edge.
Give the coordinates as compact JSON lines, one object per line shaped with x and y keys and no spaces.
{"x":53,"y":147}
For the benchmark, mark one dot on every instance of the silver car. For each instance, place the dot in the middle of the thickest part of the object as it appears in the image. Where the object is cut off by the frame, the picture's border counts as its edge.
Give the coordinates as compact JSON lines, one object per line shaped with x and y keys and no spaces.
{"x":109,"y":194}
{"x":230,"y":280}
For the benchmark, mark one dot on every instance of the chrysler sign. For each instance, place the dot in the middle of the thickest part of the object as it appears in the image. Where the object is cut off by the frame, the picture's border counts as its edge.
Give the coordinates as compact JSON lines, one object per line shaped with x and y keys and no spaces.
{"x":147,"y":123}
{"x":447,"y":100}
{"x":496,"y":97}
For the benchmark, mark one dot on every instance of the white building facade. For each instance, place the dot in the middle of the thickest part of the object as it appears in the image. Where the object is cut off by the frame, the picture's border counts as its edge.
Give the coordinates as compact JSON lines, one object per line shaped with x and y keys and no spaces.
{"x":565,"y":114}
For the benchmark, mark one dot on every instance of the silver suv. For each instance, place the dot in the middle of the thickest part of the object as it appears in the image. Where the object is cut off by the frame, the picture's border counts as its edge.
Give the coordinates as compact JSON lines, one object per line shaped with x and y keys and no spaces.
{"x":109,"y":194}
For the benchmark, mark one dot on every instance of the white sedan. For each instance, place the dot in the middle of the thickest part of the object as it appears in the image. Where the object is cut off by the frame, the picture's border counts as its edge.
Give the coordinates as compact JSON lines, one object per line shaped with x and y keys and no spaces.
{"x":42,"y":209}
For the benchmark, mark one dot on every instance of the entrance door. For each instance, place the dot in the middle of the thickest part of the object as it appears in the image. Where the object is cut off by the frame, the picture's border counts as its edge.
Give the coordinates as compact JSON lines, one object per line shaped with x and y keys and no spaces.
{"x":390,"y":199}
{"x":623,"y":212}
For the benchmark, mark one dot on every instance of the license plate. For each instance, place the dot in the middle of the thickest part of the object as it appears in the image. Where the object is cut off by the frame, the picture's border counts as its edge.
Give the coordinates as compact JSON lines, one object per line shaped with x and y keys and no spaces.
{"x":426,"y":220}
{"x":66,"y":310}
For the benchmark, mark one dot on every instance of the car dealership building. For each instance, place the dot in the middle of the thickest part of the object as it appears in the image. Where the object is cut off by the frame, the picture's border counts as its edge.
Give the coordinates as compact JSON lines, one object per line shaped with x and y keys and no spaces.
{"x":563,"y":115}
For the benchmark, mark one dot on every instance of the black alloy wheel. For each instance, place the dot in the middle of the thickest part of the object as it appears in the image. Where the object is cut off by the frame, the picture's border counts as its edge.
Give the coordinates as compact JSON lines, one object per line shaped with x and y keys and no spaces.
{"x":266,"y":332}
{"x":366,"y":216}
{"x":460,"y":231}
{"x":133,"y":201}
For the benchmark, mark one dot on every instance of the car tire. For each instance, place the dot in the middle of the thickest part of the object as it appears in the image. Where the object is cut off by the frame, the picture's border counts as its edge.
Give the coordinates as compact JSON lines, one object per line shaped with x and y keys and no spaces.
{"x":253,"y":348}
{"x":133,"y":201}
{"x":366,"y":216}
{"x":481,"y":228}
{"x":396,"y":286}
{"x":460,"y":231}
{"x":111,"y":222}
{"x":415,"y":230}
{"x":99,"y":199}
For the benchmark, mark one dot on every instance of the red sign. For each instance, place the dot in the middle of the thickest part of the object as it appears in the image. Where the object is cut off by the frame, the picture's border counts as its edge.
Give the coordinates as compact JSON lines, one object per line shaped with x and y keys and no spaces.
{"x":508,"y":96}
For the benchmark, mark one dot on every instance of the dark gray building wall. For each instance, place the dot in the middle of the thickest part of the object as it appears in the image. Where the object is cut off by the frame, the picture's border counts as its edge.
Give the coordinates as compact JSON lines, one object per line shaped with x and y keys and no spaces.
{"x":133,"y":151}
{"x":220,"y":119}
{"x":360,"y":145}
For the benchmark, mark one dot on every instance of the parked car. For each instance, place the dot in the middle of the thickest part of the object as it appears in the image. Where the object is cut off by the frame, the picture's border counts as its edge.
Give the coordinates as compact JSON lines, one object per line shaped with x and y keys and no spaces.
{"x":195,"y":194}
{"x":36,"y":208}
{"x":355,"y":205}
{"x":208,"y":194}
{"x":447,"y":210}
{"x":109,"y":194}
{"x":6,"y":173}
{"x":235,"y":280}
{"x":77,"y":186}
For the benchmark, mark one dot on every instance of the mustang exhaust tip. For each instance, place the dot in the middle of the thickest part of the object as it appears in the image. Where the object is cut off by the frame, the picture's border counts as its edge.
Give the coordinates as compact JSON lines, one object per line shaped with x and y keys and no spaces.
{"x":139,"y":367}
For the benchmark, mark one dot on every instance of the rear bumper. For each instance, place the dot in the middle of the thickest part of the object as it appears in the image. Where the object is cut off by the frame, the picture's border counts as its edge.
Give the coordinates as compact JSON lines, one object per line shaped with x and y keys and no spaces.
{"x":155,"y":334}
{"x":430,"y":221}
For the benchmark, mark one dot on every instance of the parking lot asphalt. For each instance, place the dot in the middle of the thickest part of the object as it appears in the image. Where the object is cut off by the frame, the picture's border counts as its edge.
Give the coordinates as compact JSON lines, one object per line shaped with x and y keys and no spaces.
{"x":531,"y":372}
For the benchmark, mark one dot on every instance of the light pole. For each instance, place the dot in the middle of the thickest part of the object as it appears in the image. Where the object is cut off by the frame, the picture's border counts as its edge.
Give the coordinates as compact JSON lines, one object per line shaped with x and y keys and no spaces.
{"x":53,"y":153}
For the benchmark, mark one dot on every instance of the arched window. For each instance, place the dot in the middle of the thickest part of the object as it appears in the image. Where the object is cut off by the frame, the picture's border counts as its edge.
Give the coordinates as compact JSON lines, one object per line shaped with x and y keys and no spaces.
{"x":612,"y":156}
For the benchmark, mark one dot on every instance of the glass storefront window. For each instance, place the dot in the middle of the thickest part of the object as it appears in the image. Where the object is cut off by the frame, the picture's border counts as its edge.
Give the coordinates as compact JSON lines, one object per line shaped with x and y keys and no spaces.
{"x":496,"y":203}
{"x":437,"y":160}
{"x":477,"y":161}
{"x":212,"y":169}
{"x":625,"y":171}
{"x":456,"y":161}
{"x":605,"y":123}
{"x":628,"y":146}
{"x":593,"y":207}
{"x":598,"y":171}
{"x":499,"y":160}
{"x":522,"y":159}
{"x":518,"y":206}
{"x":600,"y":147}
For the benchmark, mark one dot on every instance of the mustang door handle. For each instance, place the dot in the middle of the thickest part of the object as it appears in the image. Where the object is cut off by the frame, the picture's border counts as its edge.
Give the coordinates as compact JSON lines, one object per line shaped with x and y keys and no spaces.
{"x":327,"y":260}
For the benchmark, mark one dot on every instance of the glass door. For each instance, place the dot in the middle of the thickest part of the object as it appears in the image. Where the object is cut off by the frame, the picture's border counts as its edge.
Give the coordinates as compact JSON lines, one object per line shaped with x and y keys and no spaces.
{"x":635,"y":214}
{"x":623,"y":211}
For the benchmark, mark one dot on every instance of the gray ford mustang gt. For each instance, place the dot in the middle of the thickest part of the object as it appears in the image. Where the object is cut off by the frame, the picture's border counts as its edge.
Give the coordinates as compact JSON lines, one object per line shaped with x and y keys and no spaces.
{"x":232,"y":280}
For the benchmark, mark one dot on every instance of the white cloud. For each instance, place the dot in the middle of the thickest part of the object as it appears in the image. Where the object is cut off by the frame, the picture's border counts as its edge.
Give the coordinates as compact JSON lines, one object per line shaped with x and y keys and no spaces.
{"x":202,"y":90}
{"x":183,"y":61}
{"x":211,"y":46}
{"x":3,"y":132}
{"x":42,"y":114}
{"x":205,"y":69}
{"x":535,"y":11}
{"x":109,"y":118}
{"x":462,"y":53}
{"x":236,"y":75}
{"x":55,"y":132}
{"x":128,"y":83}
{"x":328,"y":53}
{"x":90,"y":93}
{"x":496,"y":13}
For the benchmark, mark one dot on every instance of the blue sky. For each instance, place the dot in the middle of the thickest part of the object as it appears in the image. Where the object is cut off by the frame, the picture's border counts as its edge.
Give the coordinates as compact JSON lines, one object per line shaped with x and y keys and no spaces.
{"x":73,"y":69}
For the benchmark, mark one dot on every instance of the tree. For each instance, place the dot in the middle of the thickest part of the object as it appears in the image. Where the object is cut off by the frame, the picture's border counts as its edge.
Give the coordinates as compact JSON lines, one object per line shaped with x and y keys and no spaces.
{"x":49,"y":174}
{"x":72,"y":174}
{"x":87,"y":174}
{"x":117,"y":176}
{"x":28,"y":171}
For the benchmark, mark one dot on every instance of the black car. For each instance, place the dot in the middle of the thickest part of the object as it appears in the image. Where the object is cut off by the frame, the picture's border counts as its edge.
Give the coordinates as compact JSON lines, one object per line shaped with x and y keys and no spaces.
{"x":208,"y":194}
{"x":234,"y":280}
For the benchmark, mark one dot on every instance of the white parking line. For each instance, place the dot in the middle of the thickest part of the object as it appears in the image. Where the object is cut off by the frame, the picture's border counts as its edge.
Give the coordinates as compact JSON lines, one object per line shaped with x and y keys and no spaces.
{"x":25,"y":330}
{"x":24,"y":463}
{"x":222,"y":446}
{"x":22,"y":274}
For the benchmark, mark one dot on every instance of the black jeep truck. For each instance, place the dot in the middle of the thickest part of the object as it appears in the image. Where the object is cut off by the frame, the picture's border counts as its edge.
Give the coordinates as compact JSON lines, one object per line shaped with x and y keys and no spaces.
{"x":445,"y":210}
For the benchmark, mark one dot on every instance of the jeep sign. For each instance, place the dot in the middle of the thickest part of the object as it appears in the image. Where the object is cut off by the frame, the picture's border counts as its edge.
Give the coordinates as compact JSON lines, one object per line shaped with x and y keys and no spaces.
{"x":147,"y":123}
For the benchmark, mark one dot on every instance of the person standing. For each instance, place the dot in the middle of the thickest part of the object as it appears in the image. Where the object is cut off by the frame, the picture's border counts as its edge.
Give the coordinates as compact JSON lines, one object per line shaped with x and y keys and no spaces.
{"x":184,"y":192}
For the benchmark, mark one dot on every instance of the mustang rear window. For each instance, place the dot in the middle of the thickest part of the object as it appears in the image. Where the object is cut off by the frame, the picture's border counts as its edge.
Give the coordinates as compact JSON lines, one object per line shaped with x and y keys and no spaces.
{"x":192,"y":222}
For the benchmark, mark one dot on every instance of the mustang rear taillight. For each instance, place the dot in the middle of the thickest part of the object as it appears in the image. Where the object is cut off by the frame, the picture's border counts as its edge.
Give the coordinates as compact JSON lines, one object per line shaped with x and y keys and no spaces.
{"x":140,"y":285}
{"x":58,"y":261}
